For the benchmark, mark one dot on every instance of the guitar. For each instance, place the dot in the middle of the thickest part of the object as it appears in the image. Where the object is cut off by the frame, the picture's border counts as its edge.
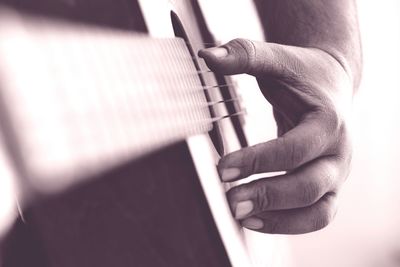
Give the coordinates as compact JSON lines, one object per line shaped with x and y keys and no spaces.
{"x":114,"y":127}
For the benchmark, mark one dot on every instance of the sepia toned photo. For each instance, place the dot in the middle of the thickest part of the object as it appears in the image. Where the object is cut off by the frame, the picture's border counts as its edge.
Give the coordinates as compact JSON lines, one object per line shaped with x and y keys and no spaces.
{"x":199,"y":133}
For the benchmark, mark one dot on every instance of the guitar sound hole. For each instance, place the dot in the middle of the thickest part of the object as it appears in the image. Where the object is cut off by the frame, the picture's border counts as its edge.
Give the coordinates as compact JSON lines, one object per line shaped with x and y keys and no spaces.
{"x":215,"y":134}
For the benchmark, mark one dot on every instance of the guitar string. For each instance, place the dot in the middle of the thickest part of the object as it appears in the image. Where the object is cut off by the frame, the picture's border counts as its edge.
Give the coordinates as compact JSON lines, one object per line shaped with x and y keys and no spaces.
{"x":187,"y":42}
{"x":235,"y":99}
{"x":205,"y":43}
{"x":196,"y":72}
{"x":204,"y":71}
{"x":219,"y":118}
{"x":238,"y":98}
{"x":227,"y":85}
{"x":207,"y":104}
{"x":239,"y":113}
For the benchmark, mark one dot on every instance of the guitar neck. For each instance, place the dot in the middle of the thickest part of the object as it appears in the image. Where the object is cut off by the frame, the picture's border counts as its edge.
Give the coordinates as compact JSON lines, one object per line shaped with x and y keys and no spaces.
{"x":78,"y":99}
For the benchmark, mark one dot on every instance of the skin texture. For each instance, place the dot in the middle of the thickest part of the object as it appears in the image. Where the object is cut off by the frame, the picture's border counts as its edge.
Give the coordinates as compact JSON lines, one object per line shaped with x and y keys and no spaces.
{"x":308,"y":71}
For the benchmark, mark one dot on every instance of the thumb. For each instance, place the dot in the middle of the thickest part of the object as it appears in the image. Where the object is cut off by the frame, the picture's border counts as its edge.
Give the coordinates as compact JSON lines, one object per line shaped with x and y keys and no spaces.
{"x":251,"y":57}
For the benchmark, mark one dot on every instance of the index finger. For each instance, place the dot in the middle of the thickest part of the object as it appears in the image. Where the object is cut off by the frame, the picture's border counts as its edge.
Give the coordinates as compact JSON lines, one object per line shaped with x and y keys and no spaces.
{"x":307,"y":141}
{"x":254,"y":58}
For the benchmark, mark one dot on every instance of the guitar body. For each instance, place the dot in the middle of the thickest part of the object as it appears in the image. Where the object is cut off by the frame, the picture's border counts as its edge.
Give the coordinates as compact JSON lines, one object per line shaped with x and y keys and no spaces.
{"x":143,"y":216}
{"x":151,"y":211}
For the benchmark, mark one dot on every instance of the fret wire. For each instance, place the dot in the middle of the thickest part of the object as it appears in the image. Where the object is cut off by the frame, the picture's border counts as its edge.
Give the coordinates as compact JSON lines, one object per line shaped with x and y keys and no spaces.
{"x":132,"y":103}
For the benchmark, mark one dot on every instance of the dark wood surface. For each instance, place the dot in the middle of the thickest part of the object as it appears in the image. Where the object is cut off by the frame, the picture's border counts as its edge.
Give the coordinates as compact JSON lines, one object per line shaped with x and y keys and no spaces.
{"x":151,"y":212}
{"x":122,"y":14}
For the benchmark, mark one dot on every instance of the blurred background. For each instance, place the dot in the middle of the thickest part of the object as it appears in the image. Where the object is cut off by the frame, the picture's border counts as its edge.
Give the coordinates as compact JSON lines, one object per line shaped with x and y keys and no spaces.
{"x":366,"y":231}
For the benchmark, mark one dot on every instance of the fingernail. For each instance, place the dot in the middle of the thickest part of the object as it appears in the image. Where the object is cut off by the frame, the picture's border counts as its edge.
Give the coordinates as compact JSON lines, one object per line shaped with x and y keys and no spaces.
{"x":243,"y":208}
{"x":253,"y":223}
{"x":218,"y":52}
{"x":230,"y":174}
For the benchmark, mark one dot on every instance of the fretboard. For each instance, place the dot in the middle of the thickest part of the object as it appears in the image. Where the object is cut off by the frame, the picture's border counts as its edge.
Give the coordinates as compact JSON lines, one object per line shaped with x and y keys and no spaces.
{"x":77,"y":100}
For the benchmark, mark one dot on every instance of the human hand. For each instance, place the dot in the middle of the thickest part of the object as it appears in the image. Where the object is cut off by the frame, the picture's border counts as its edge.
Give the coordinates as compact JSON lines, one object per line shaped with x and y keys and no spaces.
{"x":310,"y":91}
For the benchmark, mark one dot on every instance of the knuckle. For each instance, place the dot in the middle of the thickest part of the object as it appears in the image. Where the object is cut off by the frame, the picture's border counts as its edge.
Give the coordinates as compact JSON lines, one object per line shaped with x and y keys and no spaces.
{"x":325,"y":215}
{"x":254,"y":158}
{"x":289,"y":63}
{"x":251,"y":160}
{"x":329,"y":173}
{"x":323,"y":220}
{"x":263,"y":199}
{"x":293,"y":154}
{"x":297,"y":156}
{"x":333,"y":120}
{"x":347,"y":161}
{"x":345,"y":142}
{"x":335,"y":138}
{"x":236,"y":193}
{"x":334,"y":123}
{"x":337,"y":130}
{"x":245,"y":50}
{"x":344,"y":151}
{"x":311,"y":193}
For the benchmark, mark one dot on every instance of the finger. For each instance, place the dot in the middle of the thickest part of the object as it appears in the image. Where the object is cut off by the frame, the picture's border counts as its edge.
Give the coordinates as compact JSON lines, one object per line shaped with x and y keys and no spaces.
{"x":309,"y":140}
{"x":297,"y":189}
{"x":295,"y":221}
{"x":255,"y":58}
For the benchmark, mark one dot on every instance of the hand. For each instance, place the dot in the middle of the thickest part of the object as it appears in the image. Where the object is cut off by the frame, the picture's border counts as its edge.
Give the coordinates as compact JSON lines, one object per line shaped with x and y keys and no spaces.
{"x":310,"y":91}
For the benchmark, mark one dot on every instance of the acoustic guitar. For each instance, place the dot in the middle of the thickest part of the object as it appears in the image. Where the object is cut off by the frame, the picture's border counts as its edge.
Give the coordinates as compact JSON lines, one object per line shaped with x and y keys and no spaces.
{"x":113,"y":127}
